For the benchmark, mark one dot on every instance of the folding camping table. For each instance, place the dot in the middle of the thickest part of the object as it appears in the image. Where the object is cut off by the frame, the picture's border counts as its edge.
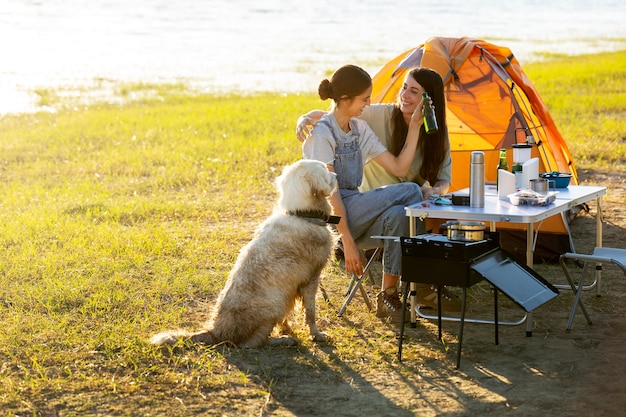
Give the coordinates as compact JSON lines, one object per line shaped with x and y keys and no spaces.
{"x":496,"y":210}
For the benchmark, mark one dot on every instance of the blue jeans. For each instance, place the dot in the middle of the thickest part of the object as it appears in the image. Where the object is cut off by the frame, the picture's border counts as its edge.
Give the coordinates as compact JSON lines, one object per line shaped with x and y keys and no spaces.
{"x":380,"y":212}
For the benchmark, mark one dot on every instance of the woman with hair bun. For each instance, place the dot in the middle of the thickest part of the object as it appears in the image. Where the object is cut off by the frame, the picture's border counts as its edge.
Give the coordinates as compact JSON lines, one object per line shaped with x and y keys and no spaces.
{"x":431,"y":167}
{"x":346,"y":143}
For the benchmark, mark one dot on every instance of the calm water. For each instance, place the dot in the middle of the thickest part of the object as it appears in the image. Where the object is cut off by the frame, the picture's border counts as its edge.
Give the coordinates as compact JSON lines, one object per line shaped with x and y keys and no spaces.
{"x":271,"y":45}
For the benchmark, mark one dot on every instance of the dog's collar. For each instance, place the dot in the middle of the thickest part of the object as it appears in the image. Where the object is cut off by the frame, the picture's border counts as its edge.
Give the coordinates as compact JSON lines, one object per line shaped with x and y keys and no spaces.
{"x":316,"y":217}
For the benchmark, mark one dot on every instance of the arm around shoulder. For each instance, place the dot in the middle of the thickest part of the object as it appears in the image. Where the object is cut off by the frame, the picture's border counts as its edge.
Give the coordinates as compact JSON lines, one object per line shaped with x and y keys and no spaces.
{"x":307,"y":122}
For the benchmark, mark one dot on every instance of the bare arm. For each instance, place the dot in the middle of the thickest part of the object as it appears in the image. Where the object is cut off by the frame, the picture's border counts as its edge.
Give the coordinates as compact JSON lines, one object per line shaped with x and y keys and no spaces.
{"x":352,"y":255}
{"x":400,"y":165}
{"x":442,"y":185}
{"x":306,"y":122}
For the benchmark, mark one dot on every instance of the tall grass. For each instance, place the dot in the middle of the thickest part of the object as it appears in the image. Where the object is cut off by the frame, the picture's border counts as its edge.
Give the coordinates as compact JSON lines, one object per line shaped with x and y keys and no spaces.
{"x":117,"y":221}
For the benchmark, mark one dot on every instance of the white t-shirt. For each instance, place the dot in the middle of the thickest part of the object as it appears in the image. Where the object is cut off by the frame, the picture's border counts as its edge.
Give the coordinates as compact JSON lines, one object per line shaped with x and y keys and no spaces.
{"x":321,"y":143}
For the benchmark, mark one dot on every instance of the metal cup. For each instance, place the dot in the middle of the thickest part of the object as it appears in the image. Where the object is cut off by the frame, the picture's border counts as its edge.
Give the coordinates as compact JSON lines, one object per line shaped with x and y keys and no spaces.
{"x":541,"y":186}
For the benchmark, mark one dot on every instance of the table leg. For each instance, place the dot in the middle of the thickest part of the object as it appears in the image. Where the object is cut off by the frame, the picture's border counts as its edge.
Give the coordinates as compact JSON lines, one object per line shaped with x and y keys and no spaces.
{"x":529,"y":245}
{"x":598,"y":241}
{"x":530,"y":263}
{"x":495,"y":313}
{"x":413,"y":286}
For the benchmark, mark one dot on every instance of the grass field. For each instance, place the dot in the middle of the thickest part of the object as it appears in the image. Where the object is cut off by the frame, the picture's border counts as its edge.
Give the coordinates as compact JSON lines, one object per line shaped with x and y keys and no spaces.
{"x":121,"y":220}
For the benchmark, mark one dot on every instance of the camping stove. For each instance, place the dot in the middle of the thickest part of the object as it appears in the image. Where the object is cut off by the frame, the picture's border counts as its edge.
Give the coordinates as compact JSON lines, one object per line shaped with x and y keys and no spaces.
{"x":435,"y":259}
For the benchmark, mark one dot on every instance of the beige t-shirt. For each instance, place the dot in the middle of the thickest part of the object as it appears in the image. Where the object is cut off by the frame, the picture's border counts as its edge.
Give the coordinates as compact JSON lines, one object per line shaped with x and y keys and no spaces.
{"x":378,"y":117}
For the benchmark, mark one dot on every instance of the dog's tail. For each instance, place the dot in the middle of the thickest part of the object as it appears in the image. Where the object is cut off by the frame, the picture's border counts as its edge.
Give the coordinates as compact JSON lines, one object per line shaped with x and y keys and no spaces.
{"x":171,"y":337}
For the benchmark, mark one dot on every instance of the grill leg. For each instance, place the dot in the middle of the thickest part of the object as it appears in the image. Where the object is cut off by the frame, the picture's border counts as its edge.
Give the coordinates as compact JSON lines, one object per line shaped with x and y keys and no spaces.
{"x":404,"y":298}
{"x":461,"y":323}
{"x":439,"y":312}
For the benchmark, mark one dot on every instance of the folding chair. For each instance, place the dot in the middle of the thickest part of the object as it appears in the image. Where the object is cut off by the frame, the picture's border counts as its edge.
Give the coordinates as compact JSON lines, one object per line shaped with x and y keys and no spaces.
{"x":599,"y":255}
{"x":355,"y":284}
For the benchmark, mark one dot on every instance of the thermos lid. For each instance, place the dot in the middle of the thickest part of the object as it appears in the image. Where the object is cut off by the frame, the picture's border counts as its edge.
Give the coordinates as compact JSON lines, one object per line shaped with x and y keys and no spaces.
{"x":478,"y":157}
{"x":522,"y":146}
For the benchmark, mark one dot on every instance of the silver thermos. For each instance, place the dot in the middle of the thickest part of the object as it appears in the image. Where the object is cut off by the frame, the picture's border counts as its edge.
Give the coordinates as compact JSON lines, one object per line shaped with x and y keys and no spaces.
{"x":477,"y":179}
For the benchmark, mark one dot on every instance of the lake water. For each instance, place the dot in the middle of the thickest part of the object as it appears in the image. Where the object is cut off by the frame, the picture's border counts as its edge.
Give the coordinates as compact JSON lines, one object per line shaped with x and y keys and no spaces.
{"x":271,"y":45}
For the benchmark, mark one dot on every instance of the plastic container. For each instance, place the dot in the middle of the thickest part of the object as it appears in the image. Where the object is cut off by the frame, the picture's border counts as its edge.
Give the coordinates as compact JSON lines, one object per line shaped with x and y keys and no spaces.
{"x":531,"y":198}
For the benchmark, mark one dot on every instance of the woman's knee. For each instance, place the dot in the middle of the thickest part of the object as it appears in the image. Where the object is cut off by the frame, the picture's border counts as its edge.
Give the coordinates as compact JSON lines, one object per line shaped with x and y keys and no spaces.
{"x":412,"y":193}
{"x":396,"y":221}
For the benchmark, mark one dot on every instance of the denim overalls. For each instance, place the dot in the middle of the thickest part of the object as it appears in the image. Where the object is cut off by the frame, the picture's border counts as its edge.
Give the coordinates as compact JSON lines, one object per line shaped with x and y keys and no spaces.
{"x":378,"y":212}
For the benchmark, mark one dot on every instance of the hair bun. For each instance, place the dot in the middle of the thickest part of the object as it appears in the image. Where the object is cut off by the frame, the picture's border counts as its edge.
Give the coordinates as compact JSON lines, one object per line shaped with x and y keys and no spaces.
{"x":325,"y":89}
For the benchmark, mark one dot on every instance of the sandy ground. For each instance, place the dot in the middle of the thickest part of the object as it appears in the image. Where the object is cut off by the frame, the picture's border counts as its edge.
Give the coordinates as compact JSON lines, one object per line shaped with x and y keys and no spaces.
{"x":551,"y":373}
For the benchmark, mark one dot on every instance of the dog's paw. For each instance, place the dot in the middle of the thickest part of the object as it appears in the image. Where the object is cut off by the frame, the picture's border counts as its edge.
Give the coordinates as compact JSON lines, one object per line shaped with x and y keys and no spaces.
{"x":319,"y":337}
{"x":165,"y":339}
{"x":283,"y":341}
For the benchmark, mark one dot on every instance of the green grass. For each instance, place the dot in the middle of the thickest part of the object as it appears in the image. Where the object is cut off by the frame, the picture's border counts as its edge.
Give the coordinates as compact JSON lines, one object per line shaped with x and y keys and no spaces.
{"x":118,"y":221}
{"x":586,"y":96}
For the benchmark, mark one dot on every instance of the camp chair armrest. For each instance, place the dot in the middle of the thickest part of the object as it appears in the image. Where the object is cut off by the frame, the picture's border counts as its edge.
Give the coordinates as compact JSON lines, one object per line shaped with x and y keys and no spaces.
{"x":587,"y":258}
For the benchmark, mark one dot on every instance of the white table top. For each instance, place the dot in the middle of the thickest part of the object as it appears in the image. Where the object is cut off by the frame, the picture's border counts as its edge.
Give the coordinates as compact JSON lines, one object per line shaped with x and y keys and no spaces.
{"x":503,"y":211}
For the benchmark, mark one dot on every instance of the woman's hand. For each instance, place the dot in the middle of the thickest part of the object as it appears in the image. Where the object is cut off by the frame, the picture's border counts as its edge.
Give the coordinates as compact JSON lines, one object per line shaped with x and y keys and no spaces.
{"x":418,"y":114}
{"x":441,"y":187}
{"x":304,"y":126}
{"x":427,"y":191}
{"x":353,"y":257}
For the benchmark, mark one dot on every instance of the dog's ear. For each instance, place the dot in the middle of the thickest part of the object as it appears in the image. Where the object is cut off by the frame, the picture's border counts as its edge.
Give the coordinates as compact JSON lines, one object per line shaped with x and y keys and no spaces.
{"x":289,"y":180}
{"x":280,"y":181}
{"x":293,"y":188}
{"x":302,"y":182}
{"x":321,"y":180}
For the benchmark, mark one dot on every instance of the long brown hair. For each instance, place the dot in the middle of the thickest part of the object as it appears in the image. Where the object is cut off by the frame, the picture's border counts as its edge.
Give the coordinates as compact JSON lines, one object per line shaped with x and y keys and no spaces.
{"x":433,"y":146}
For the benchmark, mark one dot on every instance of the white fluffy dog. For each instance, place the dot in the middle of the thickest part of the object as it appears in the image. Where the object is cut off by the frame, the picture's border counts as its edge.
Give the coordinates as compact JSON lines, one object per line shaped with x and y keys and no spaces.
{"x":281,"y":264}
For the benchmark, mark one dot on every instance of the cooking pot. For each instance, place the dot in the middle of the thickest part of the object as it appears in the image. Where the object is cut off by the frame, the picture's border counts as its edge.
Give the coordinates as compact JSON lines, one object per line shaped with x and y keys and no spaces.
{"x":560,"y":179}
{"x":465,"y":231}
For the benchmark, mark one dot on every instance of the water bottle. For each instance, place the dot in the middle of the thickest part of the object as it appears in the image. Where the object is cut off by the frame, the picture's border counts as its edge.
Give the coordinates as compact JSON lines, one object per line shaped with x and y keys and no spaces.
{"x":430,"y":121}
{"x":477,"y":179}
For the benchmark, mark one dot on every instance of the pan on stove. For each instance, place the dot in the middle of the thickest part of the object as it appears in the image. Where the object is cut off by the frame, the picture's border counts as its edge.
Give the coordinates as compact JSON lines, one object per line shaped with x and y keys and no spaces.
{"x":465,"y":231}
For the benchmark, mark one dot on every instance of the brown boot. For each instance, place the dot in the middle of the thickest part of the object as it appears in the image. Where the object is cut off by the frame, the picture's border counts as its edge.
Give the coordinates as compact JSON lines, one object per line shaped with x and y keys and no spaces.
{"x":388,"y":304}
{"x":426,"y":296}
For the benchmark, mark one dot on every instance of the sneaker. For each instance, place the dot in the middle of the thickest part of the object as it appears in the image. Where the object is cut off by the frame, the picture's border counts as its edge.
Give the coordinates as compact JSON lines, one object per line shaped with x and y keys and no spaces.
{"x":388,"y":304}
{"x":426,"y":296}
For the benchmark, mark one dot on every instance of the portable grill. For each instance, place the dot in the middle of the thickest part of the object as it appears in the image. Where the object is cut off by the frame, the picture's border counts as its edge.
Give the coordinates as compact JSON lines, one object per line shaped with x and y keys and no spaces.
{"x":434,"y":259}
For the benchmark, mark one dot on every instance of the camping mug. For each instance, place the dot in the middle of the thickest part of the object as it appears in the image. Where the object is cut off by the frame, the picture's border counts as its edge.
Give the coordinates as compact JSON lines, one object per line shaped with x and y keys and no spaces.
{"x":542,"y":186}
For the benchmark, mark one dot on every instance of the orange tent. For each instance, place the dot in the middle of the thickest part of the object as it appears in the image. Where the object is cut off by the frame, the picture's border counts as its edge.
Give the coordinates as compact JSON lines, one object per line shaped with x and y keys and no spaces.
{"x":490,"y":104}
